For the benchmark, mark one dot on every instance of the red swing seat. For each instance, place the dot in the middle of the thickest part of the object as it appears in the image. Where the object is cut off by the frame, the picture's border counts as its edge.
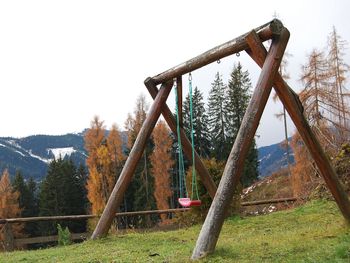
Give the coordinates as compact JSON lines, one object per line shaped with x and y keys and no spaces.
{"x":187,"y":202}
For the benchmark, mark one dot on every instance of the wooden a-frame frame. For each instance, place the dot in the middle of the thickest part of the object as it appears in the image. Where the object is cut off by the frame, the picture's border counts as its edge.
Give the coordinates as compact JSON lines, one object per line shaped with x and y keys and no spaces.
{"x":250,"y":42}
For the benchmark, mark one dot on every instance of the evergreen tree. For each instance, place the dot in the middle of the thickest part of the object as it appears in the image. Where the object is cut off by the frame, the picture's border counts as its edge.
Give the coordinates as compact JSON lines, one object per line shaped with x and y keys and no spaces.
{"x":200,"y":123}
{"x":28,"y":202}
{"x":217,"y":119}
{"x":238,"y":96}
{"x":62,"y":193}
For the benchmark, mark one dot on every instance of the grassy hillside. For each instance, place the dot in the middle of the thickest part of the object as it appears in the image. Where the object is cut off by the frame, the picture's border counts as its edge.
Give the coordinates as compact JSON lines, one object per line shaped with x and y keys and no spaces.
{"x":315,"y":232}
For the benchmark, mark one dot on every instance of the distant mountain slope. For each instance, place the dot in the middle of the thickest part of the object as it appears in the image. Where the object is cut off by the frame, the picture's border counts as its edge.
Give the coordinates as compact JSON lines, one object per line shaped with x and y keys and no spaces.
{"x":32,"y":154}
{"x":272,"y":158}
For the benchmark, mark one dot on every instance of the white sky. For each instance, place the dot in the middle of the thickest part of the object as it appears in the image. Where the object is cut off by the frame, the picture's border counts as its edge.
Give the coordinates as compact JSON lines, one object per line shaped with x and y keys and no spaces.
{"x":62,"y":62}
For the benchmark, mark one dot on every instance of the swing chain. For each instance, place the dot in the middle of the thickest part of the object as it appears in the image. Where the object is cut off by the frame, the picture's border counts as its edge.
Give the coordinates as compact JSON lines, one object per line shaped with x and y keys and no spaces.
{"x":190,"y":76}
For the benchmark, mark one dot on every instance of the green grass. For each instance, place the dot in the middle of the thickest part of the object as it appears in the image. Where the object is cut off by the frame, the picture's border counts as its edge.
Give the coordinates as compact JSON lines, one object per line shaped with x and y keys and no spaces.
{"x":315,"y":232}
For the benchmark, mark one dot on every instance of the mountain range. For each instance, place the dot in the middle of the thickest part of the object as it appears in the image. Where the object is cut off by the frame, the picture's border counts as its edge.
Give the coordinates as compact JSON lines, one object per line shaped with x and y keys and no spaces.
{"x":31,"y":155}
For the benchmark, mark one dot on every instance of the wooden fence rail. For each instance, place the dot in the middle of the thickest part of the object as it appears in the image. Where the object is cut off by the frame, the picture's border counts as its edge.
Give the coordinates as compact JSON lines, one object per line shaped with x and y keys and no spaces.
{"x":10,"y":243}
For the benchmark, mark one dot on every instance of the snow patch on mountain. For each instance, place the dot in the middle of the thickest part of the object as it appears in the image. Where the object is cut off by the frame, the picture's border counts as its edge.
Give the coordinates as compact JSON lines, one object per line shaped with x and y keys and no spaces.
{"x":61,"y":152}
{"x":20,"y":153}
{"x":38,"y":157}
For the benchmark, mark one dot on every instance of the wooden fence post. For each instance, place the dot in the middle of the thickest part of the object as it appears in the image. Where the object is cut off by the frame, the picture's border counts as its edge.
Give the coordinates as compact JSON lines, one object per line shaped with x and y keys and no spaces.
{"x":9,"y":242}
{"x":210,"y":231}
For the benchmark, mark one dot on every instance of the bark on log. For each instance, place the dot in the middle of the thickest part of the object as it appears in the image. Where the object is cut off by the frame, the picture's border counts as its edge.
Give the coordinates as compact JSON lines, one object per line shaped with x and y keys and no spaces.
{"x":187,"y":148}
{"x":213,"y":223}
{"x":179,"y":96}
{"x":265,"y":32}
{"x":120,"y":187}
{"x":294,"y":107}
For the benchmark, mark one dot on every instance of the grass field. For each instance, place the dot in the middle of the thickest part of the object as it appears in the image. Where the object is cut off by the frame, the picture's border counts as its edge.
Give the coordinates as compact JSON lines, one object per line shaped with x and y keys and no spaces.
{"x":315,"y":232}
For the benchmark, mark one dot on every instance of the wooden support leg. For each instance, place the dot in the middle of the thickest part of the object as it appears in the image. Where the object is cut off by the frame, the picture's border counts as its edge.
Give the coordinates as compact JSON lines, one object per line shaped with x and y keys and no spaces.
{"x":213,"y":223}
{"x":169,"y":118}
{"x":294,"y":108}
{"x":120,"y":187}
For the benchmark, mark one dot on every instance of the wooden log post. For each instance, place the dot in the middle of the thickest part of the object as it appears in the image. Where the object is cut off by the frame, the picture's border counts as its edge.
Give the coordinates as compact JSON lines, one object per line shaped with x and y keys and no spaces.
{"x":124,"y":179}
{"x":210,"y":231}
{"x":293,"y":105}
{"x":9,"y":242}
{"x":265,"y":32}
{"x":187,"y":148}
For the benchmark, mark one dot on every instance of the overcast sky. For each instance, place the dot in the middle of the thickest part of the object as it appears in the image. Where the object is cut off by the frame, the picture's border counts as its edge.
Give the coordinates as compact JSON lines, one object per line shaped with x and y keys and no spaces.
{"x":62,"y":62}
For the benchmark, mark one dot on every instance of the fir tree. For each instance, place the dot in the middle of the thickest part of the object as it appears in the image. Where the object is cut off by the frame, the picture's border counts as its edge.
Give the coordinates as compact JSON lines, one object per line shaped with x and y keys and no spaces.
{"x":62,"y":193}
{"x":200,"y":123}
{"x":238,"y":96}
{"x":28,"y":202}
{"x":217,"y":119}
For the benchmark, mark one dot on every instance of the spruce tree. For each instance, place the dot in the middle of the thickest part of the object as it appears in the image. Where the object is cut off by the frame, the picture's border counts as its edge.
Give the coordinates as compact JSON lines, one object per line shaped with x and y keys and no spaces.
{"x":217,"y":119}
{"x":200,"y":123}
{"x":62,"y":193}
{"x":28,"y":202}
{"x":238,"y":96}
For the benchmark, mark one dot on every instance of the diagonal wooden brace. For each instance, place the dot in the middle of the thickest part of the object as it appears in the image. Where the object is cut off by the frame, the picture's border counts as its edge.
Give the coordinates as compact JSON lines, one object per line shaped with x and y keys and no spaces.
{"x":210,"y":231}
{"x":293,"y":105}
{"x":125,"y":177}
{"x":169,"y":118}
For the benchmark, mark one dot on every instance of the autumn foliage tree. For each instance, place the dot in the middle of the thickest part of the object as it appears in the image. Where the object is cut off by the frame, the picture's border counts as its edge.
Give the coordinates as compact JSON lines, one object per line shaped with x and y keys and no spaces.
{"x":161,"y":166}
{"x":325,"y":108}
{"x":139,"y":193}
{"x":9,"y":204}
{"x":104,"y":160}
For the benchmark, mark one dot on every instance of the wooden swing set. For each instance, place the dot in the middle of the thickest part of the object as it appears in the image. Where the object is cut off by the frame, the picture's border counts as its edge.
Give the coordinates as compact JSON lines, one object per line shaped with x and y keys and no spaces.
{"x":251,"y":43}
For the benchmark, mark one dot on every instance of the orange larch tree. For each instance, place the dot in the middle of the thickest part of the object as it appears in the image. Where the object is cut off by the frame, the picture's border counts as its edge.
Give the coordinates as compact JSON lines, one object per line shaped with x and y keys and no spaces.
{"x":94,"y":138}
{"x":105,"y":157}
{"x":9,"y":204}
{"x":161,"y":164}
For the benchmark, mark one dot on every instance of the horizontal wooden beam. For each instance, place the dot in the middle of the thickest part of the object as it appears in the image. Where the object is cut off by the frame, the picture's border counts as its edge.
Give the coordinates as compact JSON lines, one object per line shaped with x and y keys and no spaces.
{"x":265,"y":32}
